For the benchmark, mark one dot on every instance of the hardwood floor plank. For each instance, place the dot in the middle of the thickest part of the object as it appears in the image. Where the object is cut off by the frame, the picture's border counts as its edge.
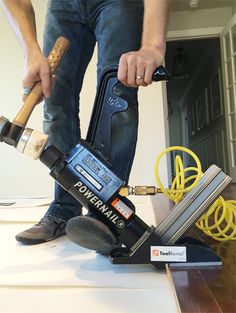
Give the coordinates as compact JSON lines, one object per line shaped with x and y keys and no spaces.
{"x":206,"y":290}
{"x":193,"y":292}
{"x":222,"y":287}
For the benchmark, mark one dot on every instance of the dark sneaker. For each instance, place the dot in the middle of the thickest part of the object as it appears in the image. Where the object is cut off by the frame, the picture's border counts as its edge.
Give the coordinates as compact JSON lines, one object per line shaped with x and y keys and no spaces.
{"x":47,"y":229}
{"x":91,"y":233}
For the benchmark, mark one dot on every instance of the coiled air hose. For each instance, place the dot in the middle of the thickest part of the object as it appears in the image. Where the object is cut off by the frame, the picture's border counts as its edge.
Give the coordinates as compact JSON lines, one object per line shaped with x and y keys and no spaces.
{"x":219,"y":222}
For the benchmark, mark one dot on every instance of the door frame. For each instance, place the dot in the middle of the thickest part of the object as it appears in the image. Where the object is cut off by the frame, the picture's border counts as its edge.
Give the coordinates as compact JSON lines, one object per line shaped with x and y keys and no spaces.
{"x":228,"y":110}
{"x":195,"y":33}
{"x":191,"y":34}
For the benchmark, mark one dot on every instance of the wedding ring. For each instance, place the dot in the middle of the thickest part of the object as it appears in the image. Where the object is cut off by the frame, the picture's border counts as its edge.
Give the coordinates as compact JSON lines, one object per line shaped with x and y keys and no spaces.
{"x":26,"y":91}
{"x":139,"y":77}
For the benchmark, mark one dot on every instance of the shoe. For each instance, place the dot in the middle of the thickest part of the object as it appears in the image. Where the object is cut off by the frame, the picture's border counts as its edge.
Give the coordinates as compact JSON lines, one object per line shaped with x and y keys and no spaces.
{"x":47,"y":229}
{"x":90,"y":233}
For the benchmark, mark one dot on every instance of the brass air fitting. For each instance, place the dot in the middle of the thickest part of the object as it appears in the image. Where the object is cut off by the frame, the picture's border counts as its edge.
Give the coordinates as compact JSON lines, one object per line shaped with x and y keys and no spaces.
{"x":139,"y":191}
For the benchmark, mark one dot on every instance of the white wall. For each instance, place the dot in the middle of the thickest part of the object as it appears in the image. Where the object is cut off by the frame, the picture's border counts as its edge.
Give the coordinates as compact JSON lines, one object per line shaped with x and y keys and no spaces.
{"x":234,"y":7}
{"x":23,"y":177}
{"x":19,"y":176}
{"x":191,"y":19}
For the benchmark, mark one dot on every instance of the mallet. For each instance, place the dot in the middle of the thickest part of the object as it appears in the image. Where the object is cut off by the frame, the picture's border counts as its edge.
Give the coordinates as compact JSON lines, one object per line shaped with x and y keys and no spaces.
{"x":11,"y":133}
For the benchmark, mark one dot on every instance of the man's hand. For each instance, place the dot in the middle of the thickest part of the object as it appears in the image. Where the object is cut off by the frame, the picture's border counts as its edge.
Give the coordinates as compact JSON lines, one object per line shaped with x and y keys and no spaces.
{"x":37,"y":69}
{"x":137,"y":67}
{"x":21,"y":17}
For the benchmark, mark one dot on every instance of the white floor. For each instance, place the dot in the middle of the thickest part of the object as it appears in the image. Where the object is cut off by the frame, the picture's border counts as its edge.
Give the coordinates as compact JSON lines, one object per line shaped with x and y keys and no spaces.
{"x":60,"y":276}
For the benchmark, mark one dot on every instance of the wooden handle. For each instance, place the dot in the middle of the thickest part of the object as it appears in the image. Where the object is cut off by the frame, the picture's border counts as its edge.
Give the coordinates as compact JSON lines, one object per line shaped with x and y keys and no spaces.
{"x":54,"y":58}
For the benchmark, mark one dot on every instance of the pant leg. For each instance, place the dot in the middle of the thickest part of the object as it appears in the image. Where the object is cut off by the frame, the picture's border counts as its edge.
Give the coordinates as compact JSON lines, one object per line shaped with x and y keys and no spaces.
{"x":61,"y":120}
{"x":118,"y":29}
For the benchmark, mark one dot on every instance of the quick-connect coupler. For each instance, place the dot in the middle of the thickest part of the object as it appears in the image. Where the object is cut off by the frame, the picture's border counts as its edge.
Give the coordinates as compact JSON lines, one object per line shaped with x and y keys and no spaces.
{"x":139,"y":191}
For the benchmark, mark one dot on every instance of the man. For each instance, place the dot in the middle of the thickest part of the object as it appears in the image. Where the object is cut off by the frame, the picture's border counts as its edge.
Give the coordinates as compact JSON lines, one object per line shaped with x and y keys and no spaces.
{"x":130,"y":33}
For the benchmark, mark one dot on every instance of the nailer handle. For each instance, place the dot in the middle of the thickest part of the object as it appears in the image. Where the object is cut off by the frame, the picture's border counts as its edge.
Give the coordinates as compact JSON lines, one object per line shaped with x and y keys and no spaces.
{"x":161,"y":73}
{"x":60,"y":47}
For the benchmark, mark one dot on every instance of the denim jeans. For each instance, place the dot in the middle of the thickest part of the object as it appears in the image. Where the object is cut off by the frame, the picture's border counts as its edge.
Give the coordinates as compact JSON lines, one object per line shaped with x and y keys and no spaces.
{"x":116,"y":27}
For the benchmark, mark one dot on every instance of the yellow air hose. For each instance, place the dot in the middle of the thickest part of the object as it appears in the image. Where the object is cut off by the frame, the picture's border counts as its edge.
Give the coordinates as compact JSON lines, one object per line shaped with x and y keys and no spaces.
{"x":219,"y":222}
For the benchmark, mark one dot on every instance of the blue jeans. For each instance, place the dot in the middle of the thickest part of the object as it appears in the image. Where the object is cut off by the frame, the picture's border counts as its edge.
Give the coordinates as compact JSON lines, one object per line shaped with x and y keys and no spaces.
{"x":116,"y":26}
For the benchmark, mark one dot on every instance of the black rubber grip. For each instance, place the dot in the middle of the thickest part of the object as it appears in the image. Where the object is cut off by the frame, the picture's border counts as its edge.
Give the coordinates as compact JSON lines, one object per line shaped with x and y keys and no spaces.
{"x":161,"y":74}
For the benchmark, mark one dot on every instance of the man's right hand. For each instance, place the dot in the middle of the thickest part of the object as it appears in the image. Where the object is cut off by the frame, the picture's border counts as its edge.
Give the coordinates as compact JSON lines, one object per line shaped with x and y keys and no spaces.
{"x":21,"y":17}
{"x":37,"y":69}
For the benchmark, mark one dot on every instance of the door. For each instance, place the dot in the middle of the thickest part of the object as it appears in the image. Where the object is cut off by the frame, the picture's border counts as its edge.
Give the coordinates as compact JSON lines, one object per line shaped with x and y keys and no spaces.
{"x":228,"y":52}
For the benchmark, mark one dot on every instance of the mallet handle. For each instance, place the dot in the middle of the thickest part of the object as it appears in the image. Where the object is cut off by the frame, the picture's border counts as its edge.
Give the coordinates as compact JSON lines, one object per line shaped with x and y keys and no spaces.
{"x":54,"y":58}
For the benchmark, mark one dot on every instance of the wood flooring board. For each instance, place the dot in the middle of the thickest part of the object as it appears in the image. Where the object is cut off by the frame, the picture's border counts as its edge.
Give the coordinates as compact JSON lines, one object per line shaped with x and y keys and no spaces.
{"x":227,"y":252}
{"x":207,"y":290}
{"x":222,"y":288}
{"x":193,"y":292}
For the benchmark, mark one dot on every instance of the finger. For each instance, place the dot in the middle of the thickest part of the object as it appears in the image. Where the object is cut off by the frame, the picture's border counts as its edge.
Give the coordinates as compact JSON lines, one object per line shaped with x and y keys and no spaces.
{"x":30,"y":79}
{"x":140,"y":74}
{"x":148,"y":75}
{"x":27,"y":84}
{"x":53,"y":81}
{"x":140,"y":81}
{"x":122,"y":69}
{"x":39,"y":100}
{"x":131,"y":75}
{"x":46,"y":81}
{"x":25,"y":91}
{"x":25,"y":95}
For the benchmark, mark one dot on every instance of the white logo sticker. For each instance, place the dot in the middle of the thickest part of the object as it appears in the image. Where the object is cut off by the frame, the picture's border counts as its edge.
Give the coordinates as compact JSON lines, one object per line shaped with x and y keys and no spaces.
{"x":168,"y":254}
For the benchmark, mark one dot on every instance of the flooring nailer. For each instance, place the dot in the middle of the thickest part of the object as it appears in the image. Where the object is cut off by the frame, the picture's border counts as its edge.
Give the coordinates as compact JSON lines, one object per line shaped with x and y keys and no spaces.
{"x":87,"y":176}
